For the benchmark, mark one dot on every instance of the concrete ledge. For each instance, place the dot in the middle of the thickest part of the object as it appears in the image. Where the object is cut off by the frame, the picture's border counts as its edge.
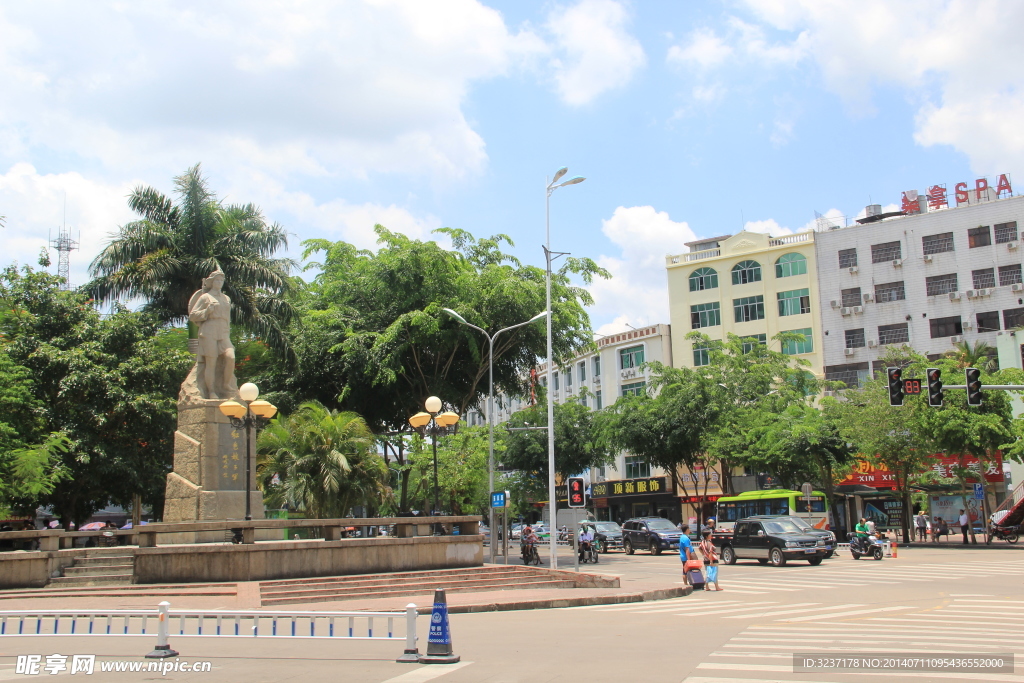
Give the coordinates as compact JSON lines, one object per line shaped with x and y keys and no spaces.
{"x":554,"y":603}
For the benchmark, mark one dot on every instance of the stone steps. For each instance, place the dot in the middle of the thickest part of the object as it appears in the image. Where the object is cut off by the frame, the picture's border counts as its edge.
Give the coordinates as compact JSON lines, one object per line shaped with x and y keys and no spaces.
{"x":92,"y":580}
{"x":98,"y":569}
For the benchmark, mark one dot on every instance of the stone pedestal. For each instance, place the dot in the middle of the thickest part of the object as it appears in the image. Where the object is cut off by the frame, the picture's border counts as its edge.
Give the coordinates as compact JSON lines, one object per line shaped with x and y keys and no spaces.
{"x":208,"y":481}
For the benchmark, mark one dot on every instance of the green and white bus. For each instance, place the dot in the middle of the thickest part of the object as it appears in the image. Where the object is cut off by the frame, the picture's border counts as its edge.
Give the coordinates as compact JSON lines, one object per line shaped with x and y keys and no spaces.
{"x":772,"y":502}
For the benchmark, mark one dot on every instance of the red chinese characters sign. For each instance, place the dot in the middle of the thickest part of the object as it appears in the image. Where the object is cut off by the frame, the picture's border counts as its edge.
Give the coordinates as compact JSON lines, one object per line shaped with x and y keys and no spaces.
{"x":936,"y":195}
{"x":879,"y":476}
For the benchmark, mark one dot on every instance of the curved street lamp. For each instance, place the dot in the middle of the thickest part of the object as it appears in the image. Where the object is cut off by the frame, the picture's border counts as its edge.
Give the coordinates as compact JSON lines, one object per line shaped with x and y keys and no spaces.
{"x":253,"y":414}
{"x":490,"y":405}
{"x":434,"y":422}
{"x":552,"y":501}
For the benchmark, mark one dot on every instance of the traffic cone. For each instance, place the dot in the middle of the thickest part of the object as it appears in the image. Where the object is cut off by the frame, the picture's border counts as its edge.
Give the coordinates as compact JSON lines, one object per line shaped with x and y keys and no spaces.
{"x":439,"y":642}
{"x":894,"y":548}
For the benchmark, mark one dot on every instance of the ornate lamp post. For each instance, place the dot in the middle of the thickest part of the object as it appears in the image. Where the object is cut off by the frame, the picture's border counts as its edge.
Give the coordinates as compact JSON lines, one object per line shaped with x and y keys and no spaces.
{"x":253,"y":414}
{"x":434,"y":422}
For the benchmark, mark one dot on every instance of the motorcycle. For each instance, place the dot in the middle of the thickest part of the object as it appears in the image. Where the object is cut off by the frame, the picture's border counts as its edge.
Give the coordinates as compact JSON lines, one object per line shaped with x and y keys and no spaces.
{"x":865,"y":546}
{"x":530,"y":554}
{"x":1010,"y":534}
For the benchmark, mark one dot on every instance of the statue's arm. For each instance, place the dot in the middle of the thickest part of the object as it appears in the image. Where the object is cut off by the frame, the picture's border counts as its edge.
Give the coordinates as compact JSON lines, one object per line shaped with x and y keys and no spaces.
{"x":201,"y":311}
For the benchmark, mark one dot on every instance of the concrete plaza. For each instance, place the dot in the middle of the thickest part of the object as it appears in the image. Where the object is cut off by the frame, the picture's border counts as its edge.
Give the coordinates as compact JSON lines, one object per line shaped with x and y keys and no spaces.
{"x":928,"y":600}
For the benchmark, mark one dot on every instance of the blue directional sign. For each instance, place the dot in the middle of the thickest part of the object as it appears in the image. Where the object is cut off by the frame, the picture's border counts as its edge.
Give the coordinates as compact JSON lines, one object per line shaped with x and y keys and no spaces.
{"x":979,"y":492}
{"x":499,"y":499}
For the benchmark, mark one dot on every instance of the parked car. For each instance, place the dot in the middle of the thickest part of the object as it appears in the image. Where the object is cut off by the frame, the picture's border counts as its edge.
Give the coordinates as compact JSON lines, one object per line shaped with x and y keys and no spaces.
{"x":609,"y":534}
{"x":823,"y":534}
{"x":774,"y":540}
{"x":650,"y":533}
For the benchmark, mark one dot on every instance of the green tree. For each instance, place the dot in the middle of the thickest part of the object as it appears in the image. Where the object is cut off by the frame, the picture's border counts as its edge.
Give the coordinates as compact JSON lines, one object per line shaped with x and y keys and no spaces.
{"x":320,"y":461}
{"x":982,"y":356}
{"x":461,"y":472}
{"x":163,"y":257}
{"x":102,"y":382}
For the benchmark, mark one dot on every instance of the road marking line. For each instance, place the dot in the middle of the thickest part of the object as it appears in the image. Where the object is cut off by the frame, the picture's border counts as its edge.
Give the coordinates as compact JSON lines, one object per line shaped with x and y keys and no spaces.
{"x":426,"y":673}
{"x":706,"y":679}
{"x":714,"y":610}
{"x":722,"y":666}
{"x":848,"y":614}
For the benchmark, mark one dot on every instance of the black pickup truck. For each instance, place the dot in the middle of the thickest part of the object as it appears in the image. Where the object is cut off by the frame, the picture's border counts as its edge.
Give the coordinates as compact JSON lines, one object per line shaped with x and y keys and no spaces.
{"x":769,"y":540}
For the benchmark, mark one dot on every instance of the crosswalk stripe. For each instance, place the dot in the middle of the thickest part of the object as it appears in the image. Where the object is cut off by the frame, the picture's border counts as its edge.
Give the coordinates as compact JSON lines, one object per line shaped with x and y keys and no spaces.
{"x":851,"y":613}
{"x":748,"y":584}
{"x":753,"y":605}
{"x":706,"y":679}
{"x":772,"y":668}
{"x":704,"y":608}
{"x":774,"y":613}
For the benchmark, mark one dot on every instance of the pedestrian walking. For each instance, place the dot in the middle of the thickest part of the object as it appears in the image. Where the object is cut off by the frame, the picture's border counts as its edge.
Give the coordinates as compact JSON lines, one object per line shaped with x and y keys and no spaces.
{"x":922,"y":526}
{"x":710,"y":554}
{"x":965,"y":523}
{"x":687,"y":556}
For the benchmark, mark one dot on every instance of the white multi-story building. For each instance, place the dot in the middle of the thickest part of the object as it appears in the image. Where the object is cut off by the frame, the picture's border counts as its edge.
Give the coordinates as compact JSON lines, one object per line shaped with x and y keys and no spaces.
{"x":927,"y":280}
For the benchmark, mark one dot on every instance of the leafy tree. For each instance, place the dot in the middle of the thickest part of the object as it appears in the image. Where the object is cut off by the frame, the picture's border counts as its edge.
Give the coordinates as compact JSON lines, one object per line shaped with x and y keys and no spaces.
{"x":461,"y":472}
{"x":320,"y":461}
{"x":982,"y":356}
{"x":163,"y":257}
{"x":579,"y":444}
{"x":102,"y":382}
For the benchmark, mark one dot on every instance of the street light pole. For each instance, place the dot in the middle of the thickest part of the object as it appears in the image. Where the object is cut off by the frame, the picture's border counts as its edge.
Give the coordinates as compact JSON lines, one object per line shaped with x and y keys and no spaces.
{"x":552,"y":501}
{"x":435,"y":422}
{"x":490,"y":404}
{"x":254,"y":414}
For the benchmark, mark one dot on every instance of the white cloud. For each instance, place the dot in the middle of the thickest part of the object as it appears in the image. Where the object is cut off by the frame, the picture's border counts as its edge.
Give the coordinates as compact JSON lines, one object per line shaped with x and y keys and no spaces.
{"x":594,"y":50}
{"x":637,"y":293}
{"x":703,"y":48}
{"x":767,"y":227}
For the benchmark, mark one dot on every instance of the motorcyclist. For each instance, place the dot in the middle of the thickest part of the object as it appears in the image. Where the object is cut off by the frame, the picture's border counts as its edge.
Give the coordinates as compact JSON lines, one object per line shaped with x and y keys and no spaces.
{"x":586,"y":540}
{"x":528,"y":541}
{"x":862,"y":529}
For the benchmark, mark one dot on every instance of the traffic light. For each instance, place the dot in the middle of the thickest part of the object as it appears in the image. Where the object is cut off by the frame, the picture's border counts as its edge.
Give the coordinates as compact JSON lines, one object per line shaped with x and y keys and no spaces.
{"x":934,"y":387}
{"x":895,"y":386}
{"x":973,"y":386}
{"x":577,"y":492}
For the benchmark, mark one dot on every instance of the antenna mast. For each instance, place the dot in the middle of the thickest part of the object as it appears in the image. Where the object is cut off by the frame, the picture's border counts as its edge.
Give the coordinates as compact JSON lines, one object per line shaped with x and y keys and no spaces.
{"x":64,"y":244}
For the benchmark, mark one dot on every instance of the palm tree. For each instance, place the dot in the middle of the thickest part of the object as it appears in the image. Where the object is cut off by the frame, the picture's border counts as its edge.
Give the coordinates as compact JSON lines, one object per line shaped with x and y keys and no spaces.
{"x":982,"y":356}
{"x":163,"y":257}
{"x":320,"y":461}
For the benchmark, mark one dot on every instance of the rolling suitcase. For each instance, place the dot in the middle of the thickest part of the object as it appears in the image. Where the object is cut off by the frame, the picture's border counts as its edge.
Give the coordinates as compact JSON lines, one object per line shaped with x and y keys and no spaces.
{"x":696,"y":578}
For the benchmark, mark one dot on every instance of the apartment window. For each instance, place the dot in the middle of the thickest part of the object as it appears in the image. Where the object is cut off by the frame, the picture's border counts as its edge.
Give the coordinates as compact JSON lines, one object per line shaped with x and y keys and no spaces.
{"x":745,"y":272}
{"x":703,"y":278}
{"x":705,"y":315}
{"x":941,"y":284}
{"x":890,"y":291}
{"x":791,"y":264}
{"x":1009,"y":275}
{"x":986,"y":277}
{"x":634,"y":389}
{"x":543,"y":381}
{"x":946,"y":327}
{"x":597,"y":366}
{"x":855,"y":338}
{"x":979,"y":237}
{"x":936,"y":244}
{"x":633,"y":357}
{"x":851,"y":374}
{"x":597,"y":400}
{"x":847,"y":258}
{"x":555,"y":377}
{"x":701,"y":356}
{"x":568,"y":376}
{"x":752,"y":340}
{"x":988,"y":322}
{"x":636,"y":468}
{"x":1005,"y":232}
{"x":793,"y":348}
{"x":887,"y":251}
{"x":893,"y":334}
{"x":582,"y":371}
{"x":748,"y":308}
{"x":1013,"y":318}
{"x":583,"y":399}
{"x":851,"y":297}
{"x":794,"y":302}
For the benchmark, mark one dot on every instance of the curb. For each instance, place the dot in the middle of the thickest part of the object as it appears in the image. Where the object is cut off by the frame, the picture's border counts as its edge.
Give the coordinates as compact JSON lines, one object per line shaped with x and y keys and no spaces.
{"x":960,"y":546}
{"x":553,"y":603}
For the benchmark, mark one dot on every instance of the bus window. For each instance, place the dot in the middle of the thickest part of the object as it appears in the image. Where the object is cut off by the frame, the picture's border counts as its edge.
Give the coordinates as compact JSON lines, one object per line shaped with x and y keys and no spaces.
{"x":778,"y":506}
{"x":817,"y":504}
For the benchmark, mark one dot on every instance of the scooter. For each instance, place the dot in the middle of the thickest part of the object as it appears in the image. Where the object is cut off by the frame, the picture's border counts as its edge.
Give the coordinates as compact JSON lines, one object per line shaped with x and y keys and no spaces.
{"x":1010,"y":534}
{"x":865,"y":546}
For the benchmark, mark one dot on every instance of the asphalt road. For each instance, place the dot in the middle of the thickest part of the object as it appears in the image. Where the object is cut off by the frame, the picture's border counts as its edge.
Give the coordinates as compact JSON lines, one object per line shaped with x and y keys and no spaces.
{"x":929,"y":602}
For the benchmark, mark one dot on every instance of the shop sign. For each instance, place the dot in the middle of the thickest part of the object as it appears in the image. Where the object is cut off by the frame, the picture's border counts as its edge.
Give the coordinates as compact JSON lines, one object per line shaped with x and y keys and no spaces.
{"x":698,"y":499}
{"x":878,"y":475}
{"x":937,"y":198}
{"x":630,"y":487}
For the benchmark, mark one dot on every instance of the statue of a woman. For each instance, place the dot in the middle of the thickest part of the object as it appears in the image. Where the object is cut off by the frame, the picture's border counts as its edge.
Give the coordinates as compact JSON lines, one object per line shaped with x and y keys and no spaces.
{"x":210,"y":309}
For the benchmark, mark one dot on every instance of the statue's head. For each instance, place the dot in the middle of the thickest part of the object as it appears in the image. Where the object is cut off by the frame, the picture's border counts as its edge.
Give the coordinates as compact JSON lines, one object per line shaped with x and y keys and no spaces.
{"x":215,"y":275}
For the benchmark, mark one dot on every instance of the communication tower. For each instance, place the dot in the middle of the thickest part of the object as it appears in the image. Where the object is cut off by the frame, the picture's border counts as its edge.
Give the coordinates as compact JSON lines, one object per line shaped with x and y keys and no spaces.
{"x":64,"y":244}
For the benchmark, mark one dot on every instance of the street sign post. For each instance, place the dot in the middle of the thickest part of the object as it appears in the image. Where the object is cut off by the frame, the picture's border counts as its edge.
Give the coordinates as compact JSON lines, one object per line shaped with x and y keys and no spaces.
{"x":499,"y":499}
{"x":979,"y":492}
{"x":807,"y":490}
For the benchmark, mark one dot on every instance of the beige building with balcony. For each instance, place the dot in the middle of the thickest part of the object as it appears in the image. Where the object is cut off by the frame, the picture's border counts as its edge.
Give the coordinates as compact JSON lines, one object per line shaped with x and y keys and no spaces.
{"x":751,"y":285}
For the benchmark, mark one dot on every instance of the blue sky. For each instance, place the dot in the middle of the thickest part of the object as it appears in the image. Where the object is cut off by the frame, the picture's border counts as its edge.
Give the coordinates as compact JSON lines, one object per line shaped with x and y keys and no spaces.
{"x":687,"y":118}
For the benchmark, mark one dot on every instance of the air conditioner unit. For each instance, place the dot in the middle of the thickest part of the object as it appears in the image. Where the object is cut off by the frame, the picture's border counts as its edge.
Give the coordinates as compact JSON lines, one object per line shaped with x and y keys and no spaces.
{"x":927,"y":258}
{"x":872,"y":343}
{"x":597,"y":380}
{"x":985,"y":292}
{"x":971,"y":293}
{"x":956,"y":340}
{"x":849,"y":352}
{"x":1017,"y":287}
{"x":953,"y":296}
{"x":868,"y":298}
{"x":968,"y":325}
{"x":897,"y":262}
{"x":858,"y":309}
{"x":853,"y":270}
{"x":845,"y":310}
{"x":1012,"y":245}
{"x":835,"y":304}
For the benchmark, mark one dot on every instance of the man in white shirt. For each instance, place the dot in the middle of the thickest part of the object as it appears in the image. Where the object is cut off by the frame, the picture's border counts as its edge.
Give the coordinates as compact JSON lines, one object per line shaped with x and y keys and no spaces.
{"x":922,"y":526}
{"x":965,"y":522}
{"x":586,"y":538}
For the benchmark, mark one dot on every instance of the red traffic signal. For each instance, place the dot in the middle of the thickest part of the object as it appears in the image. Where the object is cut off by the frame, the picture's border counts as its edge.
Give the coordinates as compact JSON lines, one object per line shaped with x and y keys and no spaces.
{"x":577,"y":492}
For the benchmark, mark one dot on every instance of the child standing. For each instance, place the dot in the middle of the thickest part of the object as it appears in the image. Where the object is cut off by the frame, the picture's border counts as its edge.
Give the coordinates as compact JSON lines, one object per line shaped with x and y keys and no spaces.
{"x":710,"y":553}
